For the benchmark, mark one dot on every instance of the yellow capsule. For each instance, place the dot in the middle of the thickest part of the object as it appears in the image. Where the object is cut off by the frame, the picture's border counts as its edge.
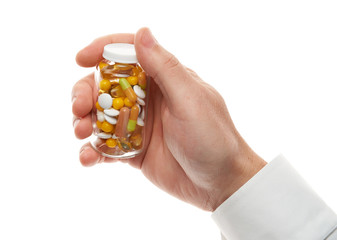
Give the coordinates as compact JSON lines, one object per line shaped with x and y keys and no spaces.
{"x":124,"y":145}
{"x":107,"y":127}
{"x":105,"y":85}
{"x":102,"y":64}
{"x":136,"y":141}
{"x":98,"y":124}
{"x":111,"y":143}
{"x":117,"y":92}
{"x":118,"y":103}
{"x":135,"y":71}
{"x":128,"y":103}
{"x":98,"y":107}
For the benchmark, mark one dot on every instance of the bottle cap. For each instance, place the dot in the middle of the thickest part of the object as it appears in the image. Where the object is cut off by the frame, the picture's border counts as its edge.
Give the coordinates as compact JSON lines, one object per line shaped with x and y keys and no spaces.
{"x":120,"y":52}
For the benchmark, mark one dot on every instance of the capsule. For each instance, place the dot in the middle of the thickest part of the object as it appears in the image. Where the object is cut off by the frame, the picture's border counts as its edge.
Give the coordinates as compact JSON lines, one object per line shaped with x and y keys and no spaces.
{"x":122,"y":122}
{"x":142,"y":80}
{"x":131,"y":95}
{"x":133,"y":118}
{"x":117,"y":92}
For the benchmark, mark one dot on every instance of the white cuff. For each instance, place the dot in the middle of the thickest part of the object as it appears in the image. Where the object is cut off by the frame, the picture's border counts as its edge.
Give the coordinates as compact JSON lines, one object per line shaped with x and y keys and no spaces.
{"x":275,"y":204}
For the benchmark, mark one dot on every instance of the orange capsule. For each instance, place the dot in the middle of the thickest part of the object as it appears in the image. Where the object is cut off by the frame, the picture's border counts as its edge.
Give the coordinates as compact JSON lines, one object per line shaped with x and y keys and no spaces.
{"x":131,"y":95}
{"x":142,"y":80}
{"x":133,"y":118}
{"x":122,"y":122}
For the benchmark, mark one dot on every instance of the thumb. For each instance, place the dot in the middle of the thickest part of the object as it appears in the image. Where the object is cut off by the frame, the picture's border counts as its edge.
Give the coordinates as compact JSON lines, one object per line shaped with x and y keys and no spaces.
{"x":170,"y":75}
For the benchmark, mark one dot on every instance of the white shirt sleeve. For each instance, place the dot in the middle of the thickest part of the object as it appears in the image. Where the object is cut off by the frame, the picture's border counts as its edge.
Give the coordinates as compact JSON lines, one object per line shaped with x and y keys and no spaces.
{"x":276,"y":204}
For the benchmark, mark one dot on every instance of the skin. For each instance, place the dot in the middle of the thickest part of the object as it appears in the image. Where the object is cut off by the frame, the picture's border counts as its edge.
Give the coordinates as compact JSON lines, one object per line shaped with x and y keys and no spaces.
{"x":193,"y":150}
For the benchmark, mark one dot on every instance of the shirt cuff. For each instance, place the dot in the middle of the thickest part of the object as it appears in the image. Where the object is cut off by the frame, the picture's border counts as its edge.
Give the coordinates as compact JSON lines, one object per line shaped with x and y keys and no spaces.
{"x":275,"y":204}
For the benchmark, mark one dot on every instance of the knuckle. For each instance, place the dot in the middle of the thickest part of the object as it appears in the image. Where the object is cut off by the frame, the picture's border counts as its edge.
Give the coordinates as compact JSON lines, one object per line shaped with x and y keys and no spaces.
{"x":171,"y":62}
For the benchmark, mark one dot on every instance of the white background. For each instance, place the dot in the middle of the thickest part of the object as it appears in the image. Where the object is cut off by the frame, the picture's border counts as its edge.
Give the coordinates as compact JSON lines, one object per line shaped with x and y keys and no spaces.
{"x":274,"y":62}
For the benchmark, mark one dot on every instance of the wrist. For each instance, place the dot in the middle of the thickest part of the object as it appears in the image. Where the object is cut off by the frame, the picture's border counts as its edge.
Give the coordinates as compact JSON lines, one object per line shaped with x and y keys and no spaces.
{"x":244,"y":165}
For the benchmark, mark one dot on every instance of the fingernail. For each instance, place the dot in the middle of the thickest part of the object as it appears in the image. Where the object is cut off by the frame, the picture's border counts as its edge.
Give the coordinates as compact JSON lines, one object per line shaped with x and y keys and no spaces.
{"x":75,"y":122}
{"x":148,"y":39}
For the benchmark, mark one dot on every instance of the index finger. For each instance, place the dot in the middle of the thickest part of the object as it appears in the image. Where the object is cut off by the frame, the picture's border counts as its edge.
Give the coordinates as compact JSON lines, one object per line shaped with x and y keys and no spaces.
{"x":92,"y":54}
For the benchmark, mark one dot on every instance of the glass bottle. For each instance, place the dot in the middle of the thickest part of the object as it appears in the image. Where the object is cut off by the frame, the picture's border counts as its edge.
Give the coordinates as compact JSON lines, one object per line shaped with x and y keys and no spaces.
{"x":119,"y":114}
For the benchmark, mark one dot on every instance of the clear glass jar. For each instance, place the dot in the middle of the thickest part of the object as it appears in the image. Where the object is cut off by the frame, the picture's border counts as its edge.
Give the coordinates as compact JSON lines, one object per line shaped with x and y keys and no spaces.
{"x":122,"y":97}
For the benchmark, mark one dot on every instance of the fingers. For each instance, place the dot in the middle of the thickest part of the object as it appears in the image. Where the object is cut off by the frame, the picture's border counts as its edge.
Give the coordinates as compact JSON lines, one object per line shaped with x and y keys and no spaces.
{"x":89,"y":157}
{"x":92,"y":54}
{"x":83,"y":127}
{"x":82,"y":96}
{"x":171,"y":76}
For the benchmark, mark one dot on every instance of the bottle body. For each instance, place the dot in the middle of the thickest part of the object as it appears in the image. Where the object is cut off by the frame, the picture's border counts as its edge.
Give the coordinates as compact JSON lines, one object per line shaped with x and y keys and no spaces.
{"x":119,"y":114}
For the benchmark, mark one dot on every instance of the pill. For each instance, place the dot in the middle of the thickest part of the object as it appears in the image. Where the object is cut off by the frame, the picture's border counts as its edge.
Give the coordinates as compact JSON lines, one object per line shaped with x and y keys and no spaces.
{"x":133,"y":80}
{"x":118,"y":103}
{"x":98,"y":107}
{"x":98,"y":124}
{"x":133,"y":118}
{"x":122,"y":67}
{"x":124,"y":145}
{"x":111,"y":112}
{"x":117,"y":92}
{"x":105,"y":100}
{"x":131,"y":95}
{"x":136,"y":140}
{"x":107,"y":127}
{"x":111,"y":143}
{"x":120,"y":75}
{"x":142,"y":80}
{"x":104,"y":135}
{"x":139,"y":92}
{"x":100,"y":116}
{"x":140,"y":101}
{"x":140,"y":122}
{"x":109,"y":119}
{"x":102,"y":65}
{"x":105,"y":85}
{"x":122,"y":122}
{"x":142,"y":114}
{"x":128,"y":103}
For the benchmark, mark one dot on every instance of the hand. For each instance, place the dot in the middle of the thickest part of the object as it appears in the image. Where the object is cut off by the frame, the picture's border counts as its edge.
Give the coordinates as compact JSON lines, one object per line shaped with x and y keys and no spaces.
{"x":193,"y":150}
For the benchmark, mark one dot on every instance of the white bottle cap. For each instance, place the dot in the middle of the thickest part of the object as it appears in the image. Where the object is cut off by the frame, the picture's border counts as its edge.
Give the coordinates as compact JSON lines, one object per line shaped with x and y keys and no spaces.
{"x":120,"y":52}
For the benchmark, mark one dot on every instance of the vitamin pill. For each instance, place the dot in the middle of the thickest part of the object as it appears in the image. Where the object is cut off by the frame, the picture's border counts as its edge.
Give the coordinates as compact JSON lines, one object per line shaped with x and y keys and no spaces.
{"x":105,"y":85}
{"x":142,"y":114}
{"x":117,"y":92}
{"x":100,"y":116}
{"x":124,"y":145}
{"x":118,"y":103}
{"x":133,"y":118}
{"x":98,"y":107}
{"x":142,"y":80}
{"x":139,"y":92}
{"x":136,"y":140}
{"x":140,"y":102}
{"x":104,"y":135}
{"x":105,"y":100}
{"x":122,"y":67}
{"x":135,"y":71}
{"x":122,"y":122}
{"x":140,"y":122}
{"x":102,"y":65}
{"x":98,"y":124}
{"x":133,"y":80}
{"x":111,"y":112}
{"x":128,"y":103}
{"x":130,"y":94}
{"x":109,"y":119}
{"x":111,"y":143}
{"x":107,"y":127}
